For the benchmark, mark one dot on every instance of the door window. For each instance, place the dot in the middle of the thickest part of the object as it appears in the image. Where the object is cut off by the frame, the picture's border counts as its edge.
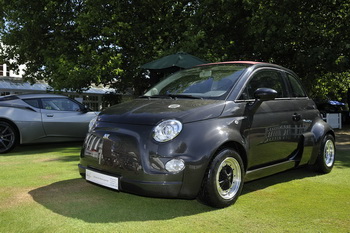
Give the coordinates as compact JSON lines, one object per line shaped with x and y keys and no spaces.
{"x":267,"y":79}
{"x":60,"y":104}
{"x":296,"y":88}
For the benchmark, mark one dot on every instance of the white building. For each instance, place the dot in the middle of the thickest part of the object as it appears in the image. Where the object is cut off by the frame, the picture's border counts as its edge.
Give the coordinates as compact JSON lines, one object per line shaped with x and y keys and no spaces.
{"x":5,"y":71}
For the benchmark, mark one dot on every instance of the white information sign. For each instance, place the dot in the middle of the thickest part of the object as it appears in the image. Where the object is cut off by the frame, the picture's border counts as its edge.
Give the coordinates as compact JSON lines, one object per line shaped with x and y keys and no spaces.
{"x":102,"y":179}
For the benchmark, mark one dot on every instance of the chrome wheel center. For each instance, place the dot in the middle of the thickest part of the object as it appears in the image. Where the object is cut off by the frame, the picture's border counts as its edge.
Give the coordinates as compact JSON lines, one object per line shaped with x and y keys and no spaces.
{"x":228,"y":178}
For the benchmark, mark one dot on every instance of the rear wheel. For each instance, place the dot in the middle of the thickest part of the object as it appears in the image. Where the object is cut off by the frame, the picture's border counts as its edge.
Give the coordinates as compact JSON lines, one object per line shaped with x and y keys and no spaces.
{"x":8,"y":137}
{"x":326,"y":157}
{"x":223,"y":181}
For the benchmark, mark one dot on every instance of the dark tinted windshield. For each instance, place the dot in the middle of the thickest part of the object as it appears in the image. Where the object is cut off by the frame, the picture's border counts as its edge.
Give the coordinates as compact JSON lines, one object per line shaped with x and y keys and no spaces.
{"x":213,"y":82}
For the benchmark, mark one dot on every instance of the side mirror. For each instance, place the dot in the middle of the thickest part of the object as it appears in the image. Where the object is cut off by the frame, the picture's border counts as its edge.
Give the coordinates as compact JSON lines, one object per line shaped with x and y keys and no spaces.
{"x":85,"y":109}
{"x":264,"y":94}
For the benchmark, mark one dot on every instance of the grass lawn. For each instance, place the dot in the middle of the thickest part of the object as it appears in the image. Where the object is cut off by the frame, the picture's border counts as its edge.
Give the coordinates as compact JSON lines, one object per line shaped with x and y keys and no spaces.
{"x":41,"y":191}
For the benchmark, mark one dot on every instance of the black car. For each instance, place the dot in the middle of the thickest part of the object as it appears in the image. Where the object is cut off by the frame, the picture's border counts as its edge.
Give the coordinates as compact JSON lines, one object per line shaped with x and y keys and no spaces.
{"x":204,"y":131}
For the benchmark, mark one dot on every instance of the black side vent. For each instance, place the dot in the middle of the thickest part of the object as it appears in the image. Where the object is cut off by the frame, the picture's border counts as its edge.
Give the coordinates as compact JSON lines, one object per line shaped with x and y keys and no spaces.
{"x":9,"y":97}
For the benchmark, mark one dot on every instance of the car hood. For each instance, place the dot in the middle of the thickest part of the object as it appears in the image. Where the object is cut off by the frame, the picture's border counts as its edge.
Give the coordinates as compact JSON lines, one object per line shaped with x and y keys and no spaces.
{"x":152,"y":111}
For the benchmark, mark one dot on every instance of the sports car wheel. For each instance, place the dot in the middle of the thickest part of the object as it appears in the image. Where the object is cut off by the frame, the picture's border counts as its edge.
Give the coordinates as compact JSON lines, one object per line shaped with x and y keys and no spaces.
{"x":326,"y":156}
{"x":8,"y":137}
{"x":223,"y":181}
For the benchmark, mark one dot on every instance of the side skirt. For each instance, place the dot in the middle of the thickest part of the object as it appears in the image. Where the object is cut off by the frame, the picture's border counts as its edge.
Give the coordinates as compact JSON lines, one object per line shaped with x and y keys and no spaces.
{"x":269,"y":170}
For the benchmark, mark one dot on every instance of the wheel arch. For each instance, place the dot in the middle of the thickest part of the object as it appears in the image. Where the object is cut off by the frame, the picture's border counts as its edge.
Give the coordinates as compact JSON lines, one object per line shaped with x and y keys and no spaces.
{"x":320,"y":129}
{"x":19,"y":139}
{"x":209,"y":192}
{"x":236,"y":146}
{"x":191,"y":187}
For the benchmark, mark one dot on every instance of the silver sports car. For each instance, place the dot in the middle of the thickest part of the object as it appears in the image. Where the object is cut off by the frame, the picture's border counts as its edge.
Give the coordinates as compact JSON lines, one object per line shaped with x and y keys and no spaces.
{"x":37,"y":118}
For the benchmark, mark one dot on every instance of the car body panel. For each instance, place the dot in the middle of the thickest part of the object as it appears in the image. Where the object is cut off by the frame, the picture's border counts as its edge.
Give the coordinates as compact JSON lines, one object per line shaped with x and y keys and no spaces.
{"x":151,"y":111}
{"x":65,"y":123}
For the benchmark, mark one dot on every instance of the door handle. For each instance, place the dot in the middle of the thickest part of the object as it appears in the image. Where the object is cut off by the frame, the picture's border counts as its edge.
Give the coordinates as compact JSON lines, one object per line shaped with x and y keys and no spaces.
{"x":49,"y":115}
{"x":296,"y":117}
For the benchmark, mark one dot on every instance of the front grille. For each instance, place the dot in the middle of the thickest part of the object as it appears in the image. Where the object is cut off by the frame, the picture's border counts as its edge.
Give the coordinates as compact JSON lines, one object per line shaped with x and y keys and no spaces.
{"x":93,"y":146}
{"x":113,"y":152}
{"x":93,"y":142}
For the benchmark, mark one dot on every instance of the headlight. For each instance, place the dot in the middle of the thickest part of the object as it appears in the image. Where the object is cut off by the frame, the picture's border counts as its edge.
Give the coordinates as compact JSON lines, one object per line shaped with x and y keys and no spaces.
{"x":92,"y":123}
{"x":167,"y":130}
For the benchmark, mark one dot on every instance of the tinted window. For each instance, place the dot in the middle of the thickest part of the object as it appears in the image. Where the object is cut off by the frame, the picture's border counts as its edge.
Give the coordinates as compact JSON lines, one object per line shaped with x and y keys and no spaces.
{"x":32,"y":102}
{"x":297,"y":90}
{"x":265,"y":78}
{"x":60,"y":104}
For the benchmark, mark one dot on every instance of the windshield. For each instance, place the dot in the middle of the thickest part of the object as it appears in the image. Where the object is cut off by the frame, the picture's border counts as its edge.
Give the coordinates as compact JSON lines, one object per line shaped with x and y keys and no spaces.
{"x":213,"y":82}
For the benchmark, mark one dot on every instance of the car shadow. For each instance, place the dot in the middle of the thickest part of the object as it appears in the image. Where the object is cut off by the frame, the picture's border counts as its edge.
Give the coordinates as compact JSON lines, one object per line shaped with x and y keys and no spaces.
{"x":79,"y":199}
{"x":42,"y":148}
{"x":91,"y":203}
{"x":283,"y":177}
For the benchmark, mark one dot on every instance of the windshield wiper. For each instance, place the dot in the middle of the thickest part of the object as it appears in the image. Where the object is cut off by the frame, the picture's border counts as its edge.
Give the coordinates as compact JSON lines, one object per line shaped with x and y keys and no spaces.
{"x":154,"y":96}
{"x":183,"y":96}
{"x":172,"y":96}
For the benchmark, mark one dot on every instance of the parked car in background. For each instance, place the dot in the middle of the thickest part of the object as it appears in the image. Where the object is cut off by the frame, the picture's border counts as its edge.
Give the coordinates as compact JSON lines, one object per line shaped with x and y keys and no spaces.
{"x":37,"y":118}
{"x":204,"y":131}
{"x":333,"y":106}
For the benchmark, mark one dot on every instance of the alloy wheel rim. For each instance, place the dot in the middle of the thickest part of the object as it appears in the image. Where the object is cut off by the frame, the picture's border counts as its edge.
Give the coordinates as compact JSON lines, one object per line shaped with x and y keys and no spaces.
{"x":328,"y":153}
{"x":6,"y":137}
{"x":228,"y":178}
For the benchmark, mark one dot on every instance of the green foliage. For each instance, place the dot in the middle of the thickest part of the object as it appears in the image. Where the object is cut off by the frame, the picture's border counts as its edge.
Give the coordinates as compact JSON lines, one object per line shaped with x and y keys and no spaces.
{"x":306,"y":36}
{"x":78,"y":42}
{"x":65,"y":43}
{"x":333,"y":85}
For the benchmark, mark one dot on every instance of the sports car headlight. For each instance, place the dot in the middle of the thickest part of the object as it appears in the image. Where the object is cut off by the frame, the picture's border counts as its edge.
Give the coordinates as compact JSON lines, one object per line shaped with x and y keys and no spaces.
{"x":167,"y":130}
{"x":92,"y":123}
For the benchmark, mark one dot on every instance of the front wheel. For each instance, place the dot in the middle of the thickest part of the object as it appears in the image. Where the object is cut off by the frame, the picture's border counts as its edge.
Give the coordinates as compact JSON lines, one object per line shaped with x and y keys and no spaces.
{"x":223,"y":181}
{"x":326,"y":157}
{"x":8,"y":137}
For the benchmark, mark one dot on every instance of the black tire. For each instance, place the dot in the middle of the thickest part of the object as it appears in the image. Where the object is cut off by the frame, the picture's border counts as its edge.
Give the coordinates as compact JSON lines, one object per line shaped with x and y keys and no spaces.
{"x":326,"y":157}
{"x":223,"y":181}
{"x":8,"y":137}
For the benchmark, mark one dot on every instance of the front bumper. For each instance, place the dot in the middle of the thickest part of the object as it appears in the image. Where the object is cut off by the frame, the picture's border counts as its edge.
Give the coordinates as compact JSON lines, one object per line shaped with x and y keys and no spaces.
{"x":127,"y":152}
{"x":148,"y":185}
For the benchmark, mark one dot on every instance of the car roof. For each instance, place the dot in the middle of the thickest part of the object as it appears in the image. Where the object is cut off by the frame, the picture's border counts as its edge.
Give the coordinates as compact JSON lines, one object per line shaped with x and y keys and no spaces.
{"x":253,"y":64}
{"x":33,"y":96}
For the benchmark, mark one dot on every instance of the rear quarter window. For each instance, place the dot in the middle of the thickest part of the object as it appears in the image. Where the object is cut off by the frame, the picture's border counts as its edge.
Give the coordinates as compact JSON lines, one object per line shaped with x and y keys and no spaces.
{"x":33,"y":102}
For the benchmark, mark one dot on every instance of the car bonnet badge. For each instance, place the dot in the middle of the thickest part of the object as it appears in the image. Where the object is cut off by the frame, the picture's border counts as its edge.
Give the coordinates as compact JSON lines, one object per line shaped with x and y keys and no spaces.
{"x":174,"y":106}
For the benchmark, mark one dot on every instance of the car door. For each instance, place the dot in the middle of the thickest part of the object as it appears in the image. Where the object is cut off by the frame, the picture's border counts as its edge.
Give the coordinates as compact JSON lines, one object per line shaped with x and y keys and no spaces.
{"x":63,"y":117}
{"x":275,"y":125}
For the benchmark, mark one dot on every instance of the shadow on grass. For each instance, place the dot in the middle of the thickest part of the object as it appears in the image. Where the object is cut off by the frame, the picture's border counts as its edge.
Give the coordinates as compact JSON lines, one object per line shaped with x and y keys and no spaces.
{"x":91,"y":203}
{"x":30,"y":149}
{"x":283,"y":177}
{"x":79,"y":199}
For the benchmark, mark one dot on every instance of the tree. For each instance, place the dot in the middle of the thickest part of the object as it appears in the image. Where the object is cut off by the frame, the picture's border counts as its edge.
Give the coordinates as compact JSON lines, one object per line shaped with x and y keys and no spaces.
{"x":75,"y":43}
{"x":309,"y":37}
{"x":64,"y":42}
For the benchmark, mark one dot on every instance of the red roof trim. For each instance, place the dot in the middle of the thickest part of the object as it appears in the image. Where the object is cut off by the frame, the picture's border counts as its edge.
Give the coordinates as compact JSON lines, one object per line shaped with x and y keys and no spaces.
{"x":232,"y":62}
